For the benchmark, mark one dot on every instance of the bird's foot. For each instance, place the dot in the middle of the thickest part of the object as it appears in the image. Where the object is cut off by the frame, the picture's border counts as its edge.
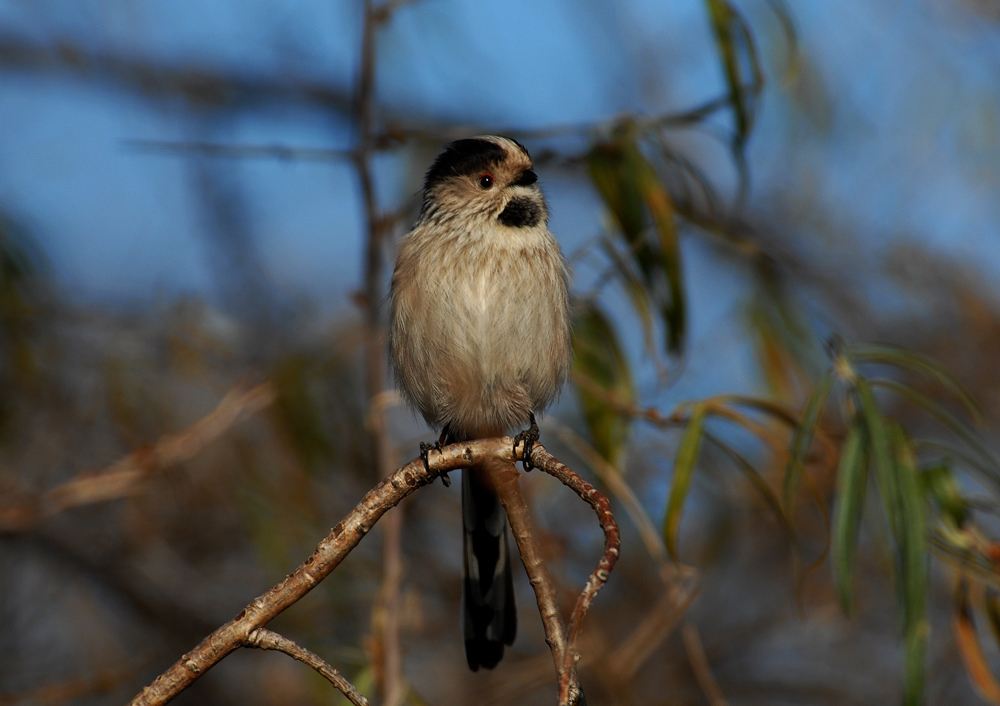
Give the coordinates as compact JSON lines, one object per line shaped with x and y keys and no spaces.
{"x":529,"y":436}
{"x":425,"y":450}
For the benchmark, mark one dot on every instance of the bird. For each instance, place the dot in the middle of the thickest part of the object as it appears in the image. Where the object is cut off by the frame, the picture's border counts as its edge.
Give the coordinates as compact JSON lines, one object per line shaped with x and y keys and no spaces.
{"x":479,"y":341}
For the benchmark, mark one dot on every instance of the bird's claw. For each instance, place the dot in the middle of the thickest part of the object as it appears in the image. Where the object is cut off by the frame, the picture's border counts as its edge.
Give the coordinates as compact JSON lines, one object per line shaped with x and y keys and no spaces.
{"x":529,"y":436}
{"x":425,"y":450}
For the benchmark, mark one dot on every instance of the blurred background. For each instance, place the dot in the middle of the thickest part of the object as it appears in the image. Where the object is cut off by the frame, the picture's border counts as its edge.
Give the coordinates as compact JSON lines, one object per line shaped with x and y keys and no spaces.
{"x":199,"y":199}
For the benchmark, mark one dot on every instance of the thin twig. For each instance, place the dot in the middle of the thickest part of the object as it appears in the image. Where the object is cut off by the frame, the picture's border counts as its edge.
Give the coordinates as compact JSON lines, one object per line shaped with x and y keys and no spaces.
{"x":700,"y":667}
{"x":265,"y":639}
{"x":389,"y":661}
{"x":544,"y":461}
{"x":509,"y":491}
{"x":349,"y":532}
{"x":214,"y":149}
{"x":327,"y":556}
{"x":127,"y":475}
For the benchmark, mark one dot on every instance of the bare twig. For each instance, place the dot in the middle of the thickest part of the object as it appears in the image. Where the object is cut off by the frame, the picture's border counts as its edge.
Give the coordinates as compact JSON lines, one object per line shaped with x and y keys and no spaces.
{"x":214,"y":149}
{"x":70,"y":691}
{"x":264,"y":639}
{"x":700,"y":667}
{"x":388,"y":660}
{"x":127,"y":475}
{"x":544,"y":461}
{"x":509,"y":491}
{"x":327,"y":556}
{"x":349,"y":532}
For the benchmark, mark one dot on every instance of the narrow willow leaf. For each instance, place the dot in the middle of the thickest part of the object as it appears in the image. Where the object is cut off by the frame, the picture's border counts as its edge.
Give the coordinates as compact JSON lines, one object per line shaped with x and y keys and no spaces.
{"x":661,"y":208}
{"x":630,"y":188}
{"x":968,"y":435}
{"x":757,"y":481}
{"x":610,"y":174}
{"x":852,"y":484}
{"x":976,"y":665}
{"x":684,"y":464}
{"x":919,"y":363}
{"x":916,"y":658}
{"x":731,"y":34}
{"x":598,"y":356}
{"x":885,"y":468}
{"x":913,"y":551}
{"x":782,"y":413}
{"x":637,"y":293}
{"x":913,"y":539}
{"x":802,"y":440}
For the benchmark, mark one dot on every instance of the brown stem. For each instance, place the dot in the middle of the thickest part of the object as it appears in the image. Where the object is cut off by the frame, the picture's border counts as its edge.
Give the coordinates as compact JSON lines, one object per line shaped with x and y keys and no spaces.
{"x":127,"y":475}
{"x":264,"y":639}
{"x":543,"y":460}
{"x":388,"y":661}
{"x":327,"y":556}
{"x":509,"y":490}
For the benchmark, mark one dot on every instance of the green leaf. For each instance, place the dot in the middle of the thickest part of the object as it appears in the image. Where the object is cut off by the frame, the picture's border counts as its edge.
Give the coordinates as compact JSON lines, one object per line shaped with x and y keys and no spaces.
{"x":732,"y":35}
{"x":802,"y":440}
{"x":661,"y":207}
{"x":684,"y":464}
{"x":599,"y":358}
{"x":635,"y":290}
{"x":757,"y":481}
{"x":990,"y":467}
{"x":881,"y":446}
{"x":778,"y":411}
{"x":919,"y":363}
{"x":939,"y":482}
{"x":913,"y":549}
{"x":852,"y":484}
{"x":630,"y":188}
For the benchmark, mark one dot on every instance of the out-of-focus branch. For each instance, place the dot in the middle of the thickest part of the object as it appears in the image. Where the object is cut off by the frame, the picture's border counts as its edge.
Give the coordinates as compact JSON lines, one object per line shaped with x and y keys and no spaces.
{"x":127,"y":475}
{"x":200,"y":87}
{"x":700,"y":666}
{"x":215,"y":149}
{"x":388,"y":659}
{"x":70,"y":691}
{"x":264,"y":639}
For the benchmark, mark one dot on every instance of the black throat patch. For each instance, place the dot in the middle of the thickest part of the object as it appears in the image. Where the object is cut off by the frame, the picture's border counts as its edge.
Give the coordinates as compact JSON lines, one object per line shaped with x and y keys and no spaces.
{"x":521,"y":212}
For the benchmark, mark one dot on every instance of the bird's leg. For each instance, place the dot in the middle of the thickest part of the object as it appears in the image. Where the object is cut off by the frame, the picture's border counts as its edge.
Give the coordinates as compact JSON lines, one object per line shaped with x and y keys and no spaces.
{"x":425,"y":450}
{"x":529,"y":436}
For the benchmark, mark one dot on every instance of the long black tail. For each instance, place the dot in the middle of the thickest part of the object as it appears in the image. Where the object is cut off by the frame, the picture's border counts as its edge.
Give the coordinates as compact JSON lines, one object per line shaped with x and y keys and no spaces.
{"x":489,"y":616}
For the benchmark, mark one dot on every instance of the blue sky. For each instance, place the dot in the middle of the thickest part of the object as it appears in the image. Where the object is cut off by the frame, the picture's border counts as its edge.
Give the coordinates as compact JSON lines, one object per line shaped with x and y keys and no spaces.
{"x":895,"y":127}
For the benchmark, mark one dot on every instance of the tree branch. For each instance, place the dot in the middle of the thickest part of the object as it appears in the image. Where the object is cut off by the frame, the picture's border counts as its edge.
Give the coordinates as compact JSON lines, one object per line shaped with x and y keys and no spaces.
{"x":241,"y":631}
{"x":127,"y":475}
{"x":543,"y":460}
{"x":327,"y":556}
{"x":265,"y":639}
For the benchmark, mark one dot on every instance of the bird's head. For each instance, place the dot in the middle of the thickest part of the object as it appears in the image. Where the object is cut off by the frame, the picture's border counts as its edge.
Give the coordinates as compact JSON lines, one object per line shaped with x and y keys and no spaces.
{"x":484,"y":179}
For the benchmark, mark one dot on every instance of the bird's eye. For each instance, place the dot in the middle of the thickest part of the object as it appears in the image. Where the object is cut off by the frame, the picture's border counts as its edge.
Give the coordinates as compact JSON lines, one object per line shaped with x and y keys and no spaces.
{"x":486,"y":181}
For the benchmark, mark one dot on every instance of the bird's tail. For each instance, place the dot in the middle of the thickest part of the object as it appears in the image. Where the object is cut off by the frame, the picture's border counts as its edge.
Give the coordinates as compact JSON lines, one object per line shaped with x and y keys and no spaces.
{"x":489,"y":616}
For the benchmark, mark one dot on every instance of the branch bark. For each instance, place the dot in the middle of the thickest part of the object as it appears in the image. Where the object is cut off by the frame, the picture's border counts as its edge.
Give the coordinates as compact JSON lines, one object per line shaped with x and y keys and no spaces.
{"x":265,"y":639}
{"x":241,"y":631}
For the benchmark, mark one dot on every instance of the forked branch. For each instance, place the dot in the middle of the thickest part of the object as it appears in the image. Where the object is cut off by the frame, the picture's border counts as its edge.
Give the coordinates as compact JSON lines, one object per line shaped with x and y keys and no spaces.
{"x":245,"y":630}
